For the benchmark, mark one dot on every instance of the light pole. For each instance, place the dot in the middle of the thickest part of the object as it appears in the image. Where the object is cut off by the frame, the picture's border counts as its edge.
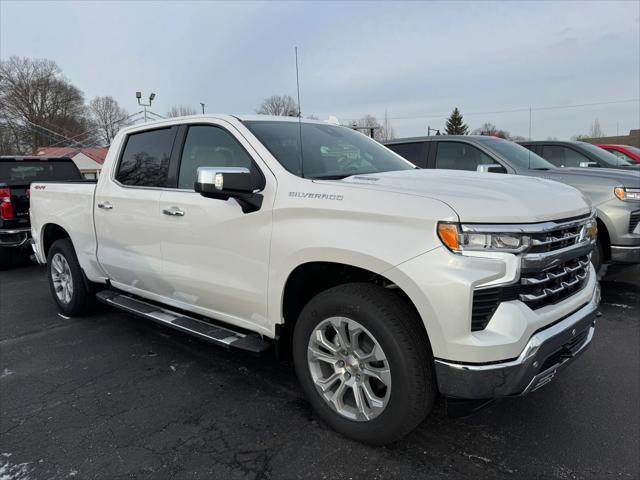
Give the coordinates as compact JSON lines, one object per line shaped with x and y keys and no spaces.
{"x":202,"y":105}
{"x":145,"y":105}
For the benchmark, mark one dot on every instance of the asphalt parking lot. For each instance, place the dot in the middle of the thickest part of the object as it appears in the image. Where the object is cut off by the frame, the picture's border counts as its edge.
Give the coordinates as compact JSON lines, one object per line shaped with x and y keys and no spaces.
{"x":111,"y":396}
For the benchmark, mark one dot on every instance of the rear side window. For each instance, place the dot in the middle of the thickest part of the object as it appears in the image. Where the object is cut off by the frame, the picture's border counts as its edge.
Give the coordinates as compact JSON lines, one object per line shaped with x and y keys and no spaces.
{"x":409,"y":151}
{"x":145,"y":160}
{"x":208,"y":146}
{"x":460,"y":156}
{"x":562,"y":156}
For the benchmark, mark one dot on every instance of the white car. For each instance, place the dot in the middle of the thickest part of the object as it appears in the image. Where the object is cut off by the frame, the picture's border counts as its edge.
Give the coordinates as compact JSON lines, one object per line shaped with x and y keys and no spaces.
{"x":389,"y":283}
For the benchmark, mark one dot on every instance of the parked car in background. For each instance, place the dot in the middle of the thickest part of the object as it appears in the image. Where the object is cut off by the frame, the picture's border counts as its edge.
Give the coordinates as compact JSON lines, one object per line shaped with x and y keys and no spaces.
{"x":614,"y":193}
{"x":625,"y":152}
{"x":389,"y":283}
{"x":16,"y":174}
{"x":577,"y":154}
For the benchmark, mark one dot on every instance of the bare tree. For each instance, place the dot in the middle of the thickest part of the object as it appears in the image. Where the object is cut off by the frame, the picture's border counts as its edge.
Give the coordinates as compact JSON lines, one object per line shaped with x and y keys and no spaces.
{"x":381,"y":132}
{"x":596,"y":131}
{"x":489,"y":129}
{"x":281,"y":105}
{"x":108,"y":117}
{"x":180,"y":111}
{"x":38,"y":106}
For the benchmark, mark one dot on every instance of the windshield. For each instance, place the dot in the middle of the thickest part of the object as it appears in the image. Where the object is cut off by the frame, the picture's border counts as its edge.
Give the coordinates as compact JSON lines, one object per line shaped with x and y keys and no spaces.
{"x":26,"y":172}
{"x":633,"y":149}
{"x":328,"y":151}
{"x":519,"y":156}
{"x":607,"y":158}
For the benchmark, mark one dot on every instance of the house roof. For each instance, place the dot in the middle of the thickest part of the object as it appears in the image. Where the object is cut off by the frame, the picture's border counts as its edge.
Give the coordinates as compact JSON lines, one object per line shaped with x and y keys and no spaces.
{"x":96,"y":154}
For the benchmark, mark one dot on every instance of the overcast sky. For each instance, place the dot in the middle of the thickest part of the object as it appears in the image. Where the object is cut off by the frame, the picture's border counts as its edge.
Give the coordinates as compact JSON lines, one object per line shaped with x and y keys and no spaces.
{"x":415,"y":60}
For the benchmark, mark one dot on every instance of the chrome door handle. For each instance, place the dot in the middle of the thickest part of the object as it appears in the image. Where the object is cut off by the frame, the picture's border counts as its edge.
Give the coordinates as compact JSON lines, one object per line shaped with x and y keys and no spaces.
{"x":105,"y":205}
{"x":173,"y":211}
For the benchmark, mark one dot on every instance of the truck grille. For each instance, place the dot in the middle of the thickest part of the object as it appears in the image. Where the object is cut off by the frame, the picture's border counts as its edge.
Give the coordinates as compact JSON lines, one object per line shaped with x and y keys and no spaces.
{"x":555,"y":267}
{"x":554,"y":285}
{"x":634,"y":220}
{"x":556,"y":239}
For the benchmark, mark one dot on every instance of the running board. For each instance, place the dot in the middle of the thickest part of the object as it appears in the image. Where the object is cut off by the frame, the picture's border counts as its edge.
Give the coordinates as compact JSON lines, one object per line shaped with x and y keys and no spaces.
{"x":198,"y":328}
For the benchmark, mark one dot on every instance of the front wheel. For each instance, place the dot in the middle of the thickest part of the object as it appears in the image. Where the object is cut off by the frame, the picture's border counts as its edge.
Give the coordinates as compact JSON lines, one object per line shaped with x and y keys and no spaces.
{"x":364,"y":362}
{"x":66,"y":279}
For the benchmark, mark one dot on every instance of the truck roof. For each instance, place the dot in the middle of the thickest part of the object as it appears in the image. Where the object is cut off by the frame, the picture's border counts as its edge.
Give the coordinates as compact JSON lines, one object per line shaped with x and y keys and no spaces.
{"x":33,"y":158}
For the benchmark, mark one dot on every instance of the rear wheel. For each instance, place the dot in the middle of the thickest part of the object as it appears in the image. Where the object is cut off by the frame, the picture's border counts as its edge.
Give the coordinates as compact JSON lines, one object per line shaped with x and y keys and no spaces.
{"x":364,"y":362}
{"x":66,"y":279}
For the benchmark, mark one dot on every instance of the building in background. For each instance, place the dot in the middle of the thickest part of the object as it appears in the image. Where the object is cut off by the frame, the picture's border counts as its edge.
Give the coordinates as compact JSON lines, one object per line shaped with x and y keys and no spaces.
{"x":88,"y":160}
{"x":632,"y":139}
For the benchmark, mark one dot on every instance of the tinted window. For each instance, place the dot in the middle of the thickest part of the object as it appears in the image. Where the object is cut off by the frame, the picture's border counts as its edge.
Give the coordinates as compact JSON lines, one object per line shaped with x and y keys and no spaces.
{"x":460,"y":156}
{"x":145,"y":160}
{"x":207,"y":146}
{"x":619,"y":154}
{"x":563,"y":156}
{"x":410,"y":151}
{"x":328,"y":151}
{"x":605,"y":158}
{"x":521,"y":157}
{"x":25,"y":172}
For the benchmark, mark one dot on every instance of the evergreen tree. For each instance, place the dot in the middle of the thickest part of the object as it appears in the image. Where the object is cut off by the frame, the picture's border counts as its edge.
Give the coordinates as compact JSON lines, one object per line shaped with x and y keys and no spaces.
{"x":455,"y":124}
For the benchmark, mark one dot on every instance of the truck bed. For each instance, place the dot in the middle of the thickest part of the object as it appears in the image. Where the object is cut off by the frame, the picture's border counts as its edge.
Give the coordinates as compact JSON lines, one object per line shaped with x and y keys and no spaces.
{"x":68,"y":205}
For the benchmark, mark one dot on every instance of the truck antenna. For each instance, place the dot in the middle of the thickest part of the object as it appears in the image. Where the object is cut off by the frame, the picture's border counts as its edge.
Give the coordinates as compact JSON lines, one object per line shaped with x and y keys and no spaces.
{"x":299,"y":116}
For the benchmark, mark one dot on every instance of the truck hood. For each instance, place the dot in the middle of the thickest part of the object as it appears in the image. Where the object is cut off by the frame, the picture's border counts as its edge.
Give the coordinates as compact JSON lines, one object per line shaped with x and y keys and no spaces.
{"x":624,"y":178}
{"x":483,"y":197}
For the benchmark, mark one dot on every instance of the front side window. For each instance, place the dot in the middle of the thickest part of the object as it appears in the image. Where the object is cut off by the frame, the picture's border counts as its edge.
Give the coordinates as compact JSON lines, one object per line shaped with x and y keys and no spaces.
{"x":460,"y":156}
{"x":619,"y":154}
{"x":209,"y":146}
{"x":145,"y":160}
{"x":328,"y":151}
{"x":522,"y":157}
{"x":563,"y":156}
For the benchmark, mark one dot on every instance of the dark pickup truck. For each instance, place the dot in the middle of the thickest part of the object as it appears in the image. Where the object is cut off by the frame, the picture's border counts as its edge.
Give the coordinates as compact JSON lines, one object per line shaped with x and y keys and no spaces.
{"x":16,"y":176}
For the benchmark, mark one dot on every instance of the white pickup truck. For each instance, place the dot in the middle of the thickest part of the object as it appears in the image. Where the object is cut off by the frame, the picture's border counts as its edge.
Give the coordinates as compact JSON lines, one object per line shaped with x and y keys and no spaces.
{"x":388,"y":283}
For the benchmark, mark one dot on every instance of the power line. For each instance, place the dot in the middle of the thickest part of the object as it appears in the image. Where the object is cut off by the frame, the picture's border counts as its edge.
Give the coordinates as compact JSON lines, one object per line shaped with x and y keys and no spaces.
{"x":518,"y":110}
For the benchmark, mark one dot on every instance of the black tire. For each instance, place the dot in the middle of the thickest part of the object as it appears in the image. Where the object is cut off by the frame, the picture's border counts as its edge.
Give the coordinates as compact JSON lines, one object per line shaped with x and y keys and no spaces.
{"x":81,"y":298}
{"x":597,"y":257}
{"x":400,"y":334}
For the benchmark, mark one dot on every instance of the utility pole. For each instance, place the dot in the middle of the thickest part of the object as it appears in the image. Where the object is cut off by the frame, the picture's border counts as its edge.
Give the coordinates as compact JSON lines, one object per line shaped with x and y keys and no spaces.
{"x":202,"y":105}
{"x":145,"y":105}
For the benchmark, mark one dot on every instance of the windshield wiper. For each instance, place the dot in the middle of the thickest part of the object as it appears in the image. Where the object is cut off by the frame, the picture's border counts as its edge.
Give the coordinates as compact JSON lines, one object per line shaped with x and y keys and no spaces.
{"x":330,"y":177}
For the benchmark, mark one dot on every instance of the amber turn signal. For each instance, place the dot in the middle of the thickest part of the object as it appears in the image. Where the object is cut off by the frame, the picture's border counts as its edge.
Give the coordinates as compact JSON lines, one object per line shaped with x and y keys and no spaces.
{"x":448,"y":233}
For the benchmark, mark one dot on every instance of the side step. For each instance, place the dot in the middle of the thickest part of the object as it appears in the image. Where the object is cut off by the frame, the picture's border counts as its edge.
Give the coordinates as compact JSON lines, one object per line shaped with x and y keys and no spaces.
{"x":198,"y":328}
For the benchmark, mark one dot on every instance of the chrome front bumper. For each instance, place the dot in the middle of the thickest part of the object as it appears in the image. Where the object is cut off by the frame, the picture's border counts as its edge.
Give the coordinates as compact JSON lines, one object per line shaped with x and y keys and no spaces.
{"x":547,"y":352}
{"x":625,"y":254}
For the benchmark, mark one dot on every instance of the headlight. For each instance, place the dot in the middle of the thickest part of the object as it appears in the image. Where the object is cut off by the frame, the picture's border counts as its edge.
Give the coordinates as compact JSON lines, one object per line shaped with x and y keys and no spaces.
{"x":457,"y":240}
{"x":625,"y":193}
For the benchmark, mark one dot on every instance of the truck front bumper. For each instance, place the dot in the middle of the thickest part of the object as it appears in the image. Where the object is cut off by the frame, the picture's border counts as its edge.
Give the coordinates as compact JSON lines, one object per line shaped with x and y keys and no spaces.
{"x":548,"y":351}
{"x":625,"y":254}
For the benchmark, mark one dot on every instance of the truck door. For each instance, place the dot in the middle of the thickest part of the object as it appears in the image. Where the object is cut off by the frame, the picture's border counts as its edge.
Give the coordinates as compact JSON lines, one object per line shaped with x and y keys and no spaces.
{"x":215,"y":257}
{"x":128,"y":223}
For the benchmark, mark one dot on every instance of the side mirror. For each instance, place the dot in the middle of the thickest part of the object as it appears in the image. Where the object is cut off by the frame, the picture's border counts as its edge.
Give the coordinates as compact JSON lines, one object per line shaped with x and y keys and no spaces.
{"x":588,"y":164}
{"x":228,"y":182}
{"x":491,"y":168}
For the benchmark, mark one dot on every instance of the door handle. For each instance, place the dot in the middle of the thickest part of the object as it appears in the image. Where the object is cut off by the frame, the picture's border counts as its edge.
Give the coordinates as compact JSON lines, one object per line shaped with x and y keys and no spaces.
{"x":173,"y":211}
{"x":105,"y":205}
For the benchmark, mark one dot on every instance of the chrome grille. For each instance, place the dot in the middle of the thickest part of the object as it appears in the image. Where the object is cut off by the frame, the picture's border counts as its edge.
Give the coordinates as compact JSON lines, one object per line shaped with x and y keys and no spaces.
{"x":555,"y":284}
{"x":556,"y":239}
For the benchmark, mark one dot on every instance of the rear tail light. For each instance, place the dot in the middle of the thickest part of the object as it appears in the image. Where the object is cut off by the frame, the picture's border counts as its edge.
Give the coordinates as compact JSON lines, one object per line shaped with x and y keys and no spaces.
{"x":6,"y":207}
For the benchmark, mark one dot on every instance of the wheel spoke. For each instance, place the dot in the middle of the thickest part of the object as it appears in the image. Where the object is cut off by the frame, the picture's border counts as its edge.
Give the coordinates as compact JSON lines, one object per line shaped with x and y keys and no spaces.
{"x":337,"y":397}
{"x":375,"y":355}
{"x":380,"y":373}
{"x":322,"y":356}
{"x":340,"y":326}
{"x":326,"y":383}
{"x":322,"y":340}
{"x":374,"y":400}
{"x":360,"y":402}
